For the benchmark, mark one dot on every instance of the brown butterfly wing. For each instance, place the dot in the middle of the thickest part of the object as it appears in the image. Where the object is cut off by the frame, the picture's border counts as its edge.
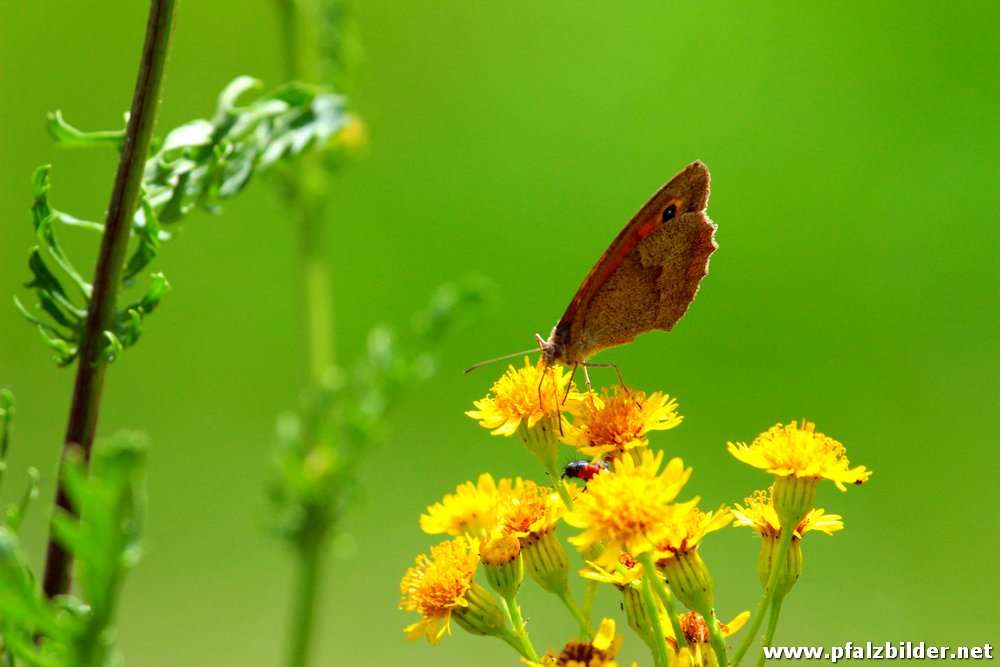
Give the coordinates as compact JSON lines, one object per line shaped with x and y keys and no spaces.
{"x":647,"y":277}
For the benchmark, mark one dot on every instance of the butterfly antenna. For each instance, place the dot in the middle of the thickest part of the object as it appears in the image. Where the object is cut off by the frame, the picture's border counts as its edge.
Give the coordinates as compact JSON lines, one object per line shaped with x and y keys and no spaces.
{"x":496,"y":359}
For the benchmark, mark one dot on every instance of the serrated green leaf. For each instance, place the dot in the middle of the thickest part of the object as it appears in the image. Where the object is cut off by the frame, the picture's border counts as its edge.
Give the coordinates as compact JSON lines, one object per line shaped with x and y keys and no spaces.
{"x":41,"y":184}
{"x":34,"y":320}
{"x":147,"y":230}
{"x":193,"y":134}
{"x":112,"y":347}
{"x":43,"y":278}
{"x":68,"y":136}
{"x":158,"y":288}
{"x":6,"y":417}
{"x":198,"y":165}
{"x":59,"y":309}
{"x":21,"y":606}
{"x":130,"y":327}
{"x":16,"y":513}
{"x":55,"y":252}
{"x":66,"y":351}
{"x":232,"y":92}
{"x":43,"y":217}
{"x":70,"y":221}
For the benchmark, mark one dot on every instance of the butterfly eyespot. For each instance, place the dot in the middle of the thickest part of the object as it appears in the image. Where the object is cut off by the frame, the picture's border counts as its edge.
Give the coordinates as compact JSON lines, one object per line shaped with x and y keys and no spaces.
{"x":669,"y":213}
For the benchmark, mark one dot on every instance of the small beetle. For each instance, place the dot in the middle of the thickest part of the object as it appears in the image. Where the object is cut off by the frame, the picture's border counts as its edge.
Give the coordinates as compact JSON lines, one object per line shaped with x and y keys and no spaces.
{"x":584,"y":470}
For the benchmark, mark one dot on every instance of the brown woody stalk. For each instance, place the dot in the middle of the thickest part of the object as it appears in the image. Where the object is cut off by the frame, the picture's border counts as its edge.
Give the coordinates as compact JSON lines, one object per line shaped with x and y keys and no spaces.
{"x":101,"y":309}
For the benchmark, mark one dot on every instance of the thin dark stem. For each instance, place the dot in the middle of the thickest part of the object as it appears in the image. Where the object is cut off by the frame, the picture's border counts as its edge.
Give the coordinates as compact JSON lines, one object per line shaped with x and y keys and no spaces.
{"x":92,"y":365}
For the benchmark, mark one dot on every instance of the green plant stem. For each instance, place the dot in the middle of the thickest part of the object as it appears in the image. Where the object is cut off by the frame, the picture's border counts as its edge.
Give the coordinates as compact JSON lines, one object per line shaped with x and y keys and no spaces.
{"x":772,"y":625}
{"x":553,"y":473}
{"x":300,"y":22}
{"x":777,"y":566}
{"x":666,"y":598}
{"x":661,"y":654}
{"x":520,"y":631}
{"x":308,"y":570}
{"x":716,"y":640}
{"x":516,"y":643}
{"x":586,"y":632}
{"x":589,"y":595}
{"x":101,"y":308}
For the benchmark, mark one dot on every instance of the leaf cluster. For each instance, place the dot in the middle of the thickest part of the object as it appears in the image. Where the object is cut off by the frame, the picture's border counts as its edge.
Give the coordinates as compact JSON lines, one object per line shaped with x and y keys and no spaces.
{"x":72,"y":631}
{"x":197,"y":165}
{"x":15,"y":511}
{"x":320,"y":445}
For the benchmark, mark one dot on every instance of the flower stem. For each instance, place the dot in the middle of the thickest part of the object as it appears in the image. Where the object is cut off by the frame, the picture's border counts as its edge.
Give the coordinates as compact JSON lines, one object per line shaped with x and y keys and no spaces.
{"x":520,"y":631}
{"x":553,"y":473}
{"x":526,"y":650}
{"x":308,"y":566}
{"x":772,"y":625}
{"x":666,"y":598}
{"x":777,"y":566}
{"x":102,"y":305}
{"x":300,"y":22}
{"x":589,"y":594}
{"x":586,"y":632}
{"x":305,"y":193}
{"x":716,"y":640}
{"x":661,"y":654}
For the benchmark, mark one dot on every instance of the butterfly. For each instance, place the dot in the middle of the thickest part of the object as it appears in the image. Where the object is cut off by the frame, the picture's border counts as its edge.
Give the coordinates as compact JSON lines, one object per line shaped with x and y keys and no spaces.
{"x":645,"y":280}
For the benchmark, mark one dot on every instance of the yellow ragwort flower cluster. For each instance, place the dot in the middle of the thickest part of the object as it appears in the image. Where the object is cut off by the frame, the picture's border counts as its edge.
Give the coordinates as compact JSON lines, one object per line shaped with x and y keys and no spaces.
{"x":437,"y":586}
{"x":758,"y":513}
{"x":799,"y":451}
{"x":629,"y":507}
{"x":612,"y":425}
{"x":523,"y":397}
{"x":599,"y":652}
{"x":635,"y":530}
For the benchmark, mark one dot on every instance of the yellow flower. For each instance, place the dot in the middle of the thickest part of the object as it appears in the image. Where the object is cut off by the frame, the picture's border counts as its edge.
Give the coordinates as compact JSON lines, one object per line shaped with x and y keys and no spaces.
{"x":797,"y":450}
{"x":528,"y":509}
{"x":625,"y":571}
{"x":438,"y":586}
{"x":687,"y":528}
{"x":617,"y":423}
{"x":759,"y":514}
{"x":525,"y":395}
{"x":677,"y":556}
{"x":469,"y":511}
{"x":624,"y":508}
{"x":695,"y":629}
{"x":598,"y":653}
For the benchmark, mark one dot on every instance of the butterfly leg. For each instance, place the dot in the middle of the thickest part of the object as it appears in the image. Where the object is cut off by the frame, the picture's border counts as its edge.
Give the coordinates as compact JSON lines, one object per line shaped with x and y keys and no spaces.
{"x":618,"y":372}
{"x":541,"y":380}
{"x":570,"y":383}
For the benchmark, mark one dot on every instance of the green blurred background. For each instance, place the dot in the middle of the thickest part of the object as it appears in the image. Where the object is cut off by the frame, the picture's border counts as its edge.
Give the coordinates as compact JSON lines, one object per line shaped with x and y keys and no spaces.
{"x":854,"y":150}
